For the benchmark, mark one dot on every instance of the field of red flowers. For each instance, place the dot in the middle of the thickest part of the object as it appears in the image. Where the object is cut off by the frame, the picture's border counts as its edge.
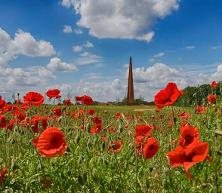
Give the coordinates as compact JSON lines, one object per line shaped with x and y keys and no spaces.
{"x":85,"y":148}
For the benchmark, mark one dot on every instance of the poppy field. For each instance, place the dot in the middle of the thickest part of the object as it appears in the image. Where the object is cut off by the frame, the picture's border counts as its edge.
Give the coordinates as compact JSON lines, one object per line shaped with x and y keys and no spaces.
{"x":75,"y":146}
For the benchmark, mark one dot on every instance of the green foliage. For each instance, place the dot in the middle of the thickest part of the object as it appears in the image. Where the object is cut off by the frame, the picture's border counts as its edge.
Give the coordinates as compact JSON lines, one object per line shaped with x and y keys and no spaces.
{"x":193,"y":96}
{"x":138,"y":101}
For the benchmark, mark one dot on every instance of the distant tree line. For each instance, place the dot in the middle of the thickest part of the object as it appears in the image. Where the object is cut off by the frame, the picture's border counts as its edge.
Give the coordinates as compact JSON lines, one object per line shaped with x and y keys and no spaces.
{"x":193,"y":96}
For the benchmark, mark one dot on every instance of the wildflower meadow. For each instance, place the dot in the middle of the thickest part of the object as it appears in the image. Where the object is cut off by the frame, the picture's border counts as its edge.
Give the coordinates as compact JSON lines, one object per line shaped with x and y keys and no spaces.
{"x":77,"y":147}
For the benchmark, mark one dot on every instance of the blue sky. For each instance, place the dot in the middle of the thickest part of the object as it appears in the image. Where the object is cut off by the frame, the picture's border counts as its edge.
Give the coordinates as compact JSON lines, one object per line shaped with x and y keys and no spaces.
{"x":85,"y":50}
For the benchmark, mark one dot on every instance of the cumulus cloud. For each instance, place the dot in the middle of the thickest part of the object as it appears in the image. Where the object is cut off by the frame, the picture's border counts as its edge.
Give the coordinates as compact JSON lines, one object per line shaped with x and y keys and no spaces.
{"x":80,"y":48}
{"x":157,"y":74}
{"x":22,"y":44}
{"x":100,"y":91}
{"x":56,"y":64}
{"x":218,"y":74}
{"x":124,"y":19}
{"x":67,"y":29}
{"x":18,"y":79}
{"x":147,"y":81}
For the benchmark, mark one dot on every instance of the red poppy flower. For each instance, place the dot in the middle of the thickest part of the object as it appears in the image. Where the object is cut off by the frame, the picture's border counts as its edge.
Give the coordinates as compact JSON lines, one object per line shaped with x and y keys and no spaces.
{"x":115,"y":146}
{"x":150,"y":148}
{"x":19,"y":114}
{"x":11,"y":124}
{"x":184,"y":115}
{"x":213,"y":84}
{"x":33,"y":98}
{"x":91,"y":111}
{"x":176,"y":156}
{"x":78,"y":98}
{"x":7,"y":108}
{"x":51,"y":142}
{"x":143,"y":130}
{"x":57,"y":111}
{"x":2,"y":122}
{"x":57,"y":97}
{"x":167,"y":96}
{"x":78,"y":114}
{"x":53,"y":93}
{"x":2,"y":103}
{"x":97,"y":120}
{"x":200,"y":109}
{"x":3,"y":172}
{"x":139,"y":140}
{"x":188,"y":135}
{"x":25,"y":106}
{"x":197,"y":152}
{"x":86,"y":100}
{"x":96,"y":128}
{"x":187,"y":157}
{"x":118,"y":115}
{"x":212,"y":98}
{"x":67,"y":102}
{"x":38,"y":122}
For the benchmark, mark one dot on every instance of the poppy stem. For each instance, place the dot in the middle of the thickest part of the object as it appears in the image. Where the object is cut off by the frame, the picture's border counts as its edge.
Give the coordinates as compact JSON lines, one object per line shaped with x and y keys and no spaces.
{"x":41,"y":165}
{"x":173,"y":115}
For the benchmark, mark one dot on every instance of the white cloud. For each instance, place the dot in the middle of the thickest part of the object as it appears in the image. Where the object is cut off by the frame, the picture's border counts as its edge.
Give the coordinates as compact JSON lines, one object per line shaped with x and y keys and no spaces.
{"x":218,"y":74}
{"x":157,"y":74}
{"x":88,"y":45}
{"x":157,"y":57}
{"x":80,"y":48}
{"x":25,"y":44}
{"x":124,"y":19}
{"x":100,"y":91}
{"x":69,"y":3}
{"x":77,"y":31}
{"x":87,"y":58}
{"x":145,"y":37}
{"x":67,"y":29}
{"x":22,"y":44}
{"x":18,"y":79}
{"x":56,"y":64}
{"x":77,"y":48}
{"x":147,"y":81}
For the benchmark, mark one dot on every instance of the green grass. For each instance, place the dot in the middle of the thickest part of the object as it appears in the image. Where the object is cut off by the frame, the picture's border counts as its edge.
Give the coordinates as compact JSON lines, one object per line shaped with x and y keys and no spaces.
{"x":123,"y":108}
{"x":88,"y":166}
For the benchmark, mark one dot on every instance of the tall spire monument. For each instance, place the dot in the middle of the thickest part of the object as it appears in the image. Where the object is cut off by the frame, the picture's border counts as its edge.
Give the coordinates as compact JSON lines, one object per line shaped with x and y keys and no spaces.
{"x":130,"y":91}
